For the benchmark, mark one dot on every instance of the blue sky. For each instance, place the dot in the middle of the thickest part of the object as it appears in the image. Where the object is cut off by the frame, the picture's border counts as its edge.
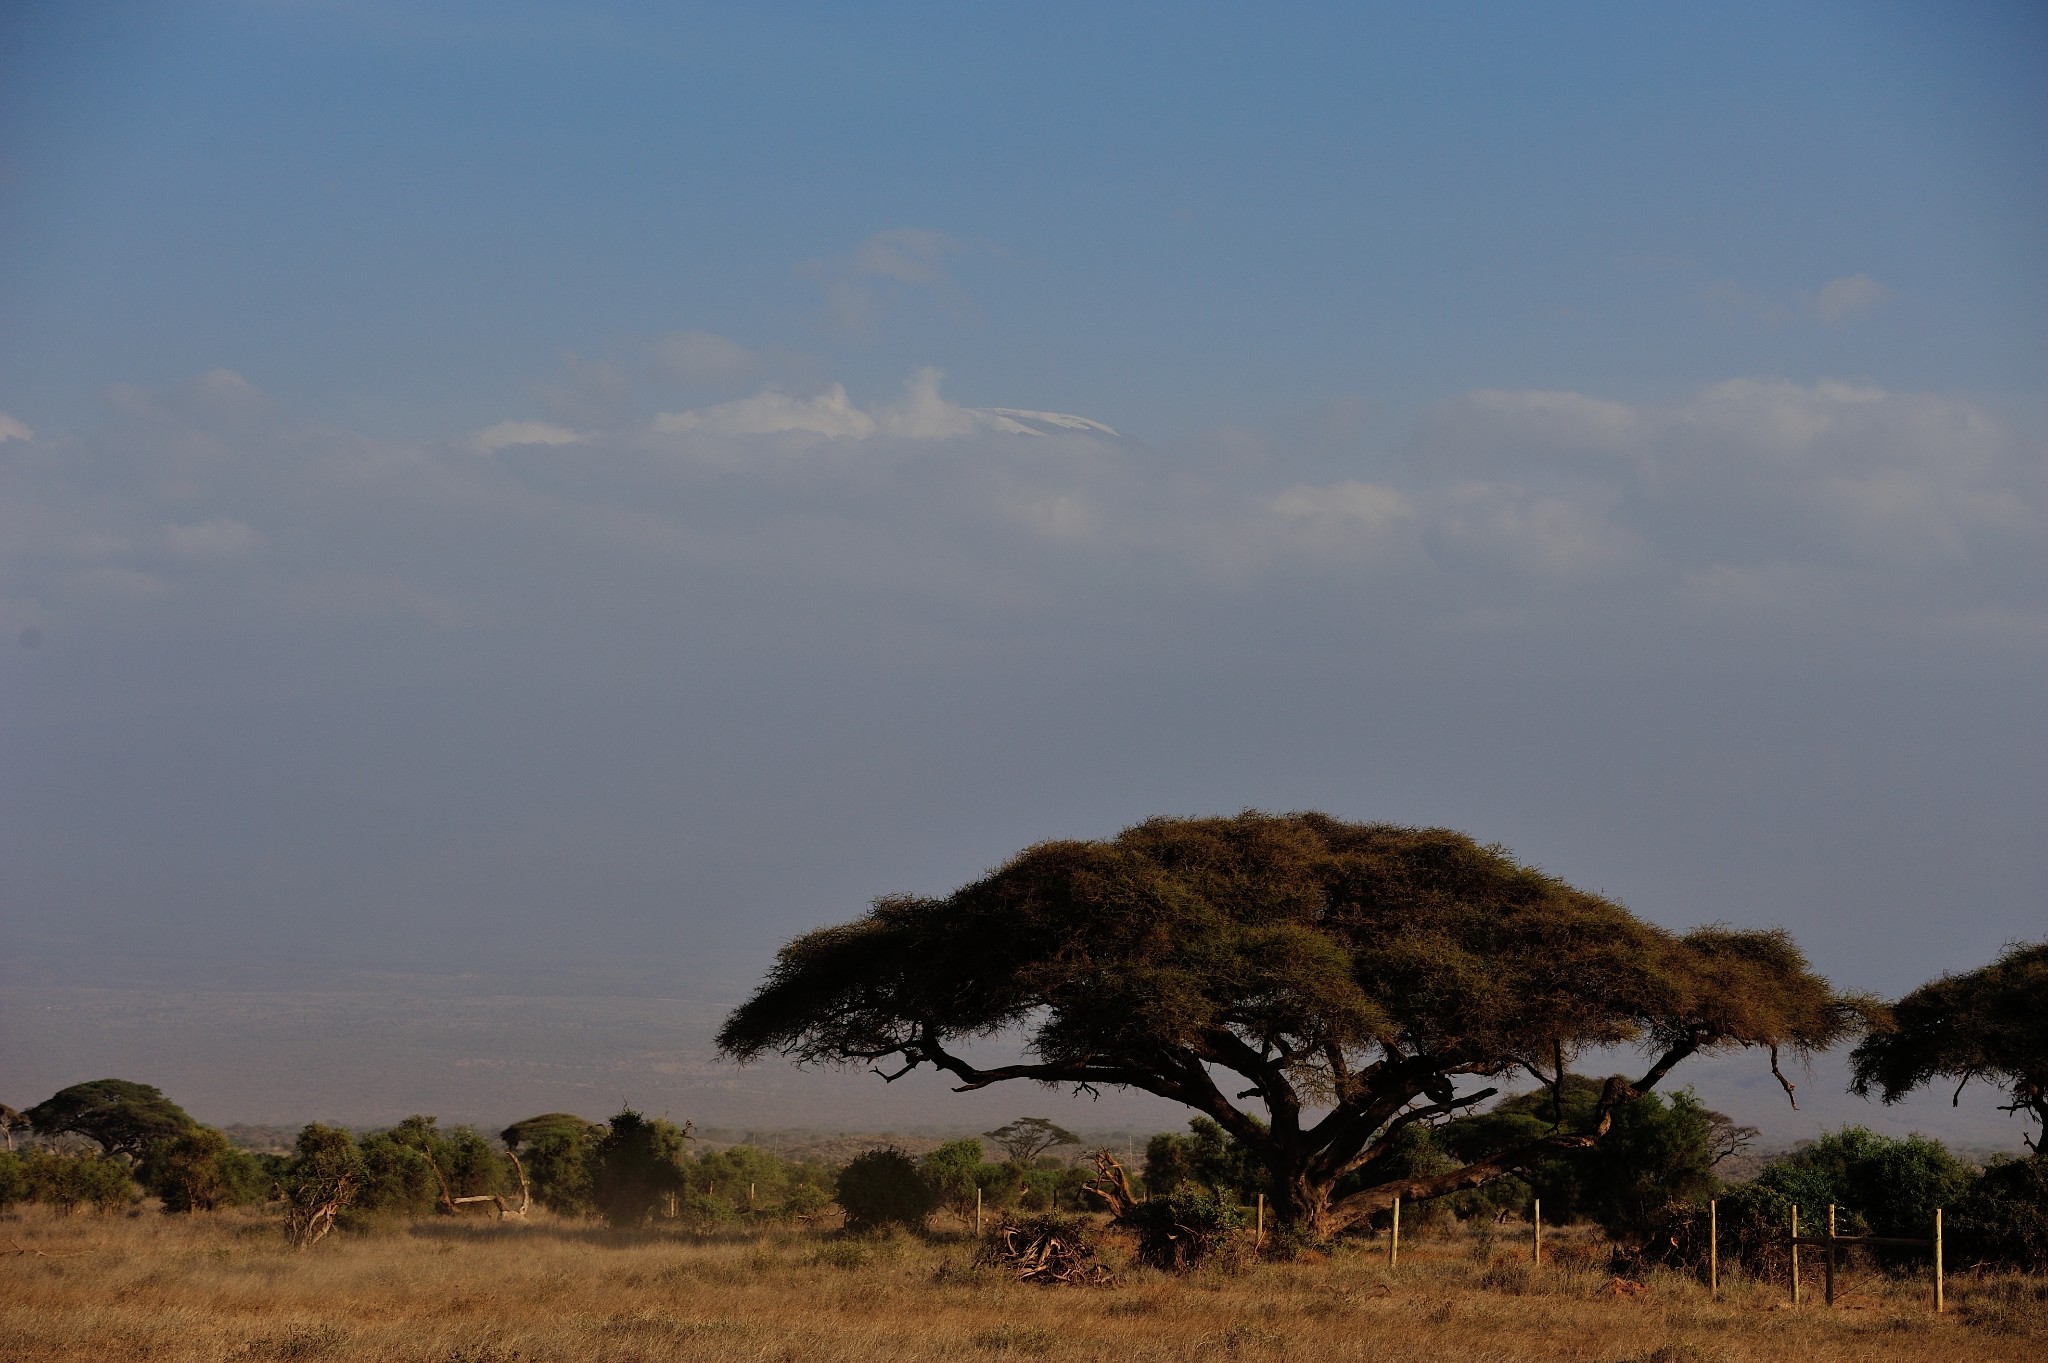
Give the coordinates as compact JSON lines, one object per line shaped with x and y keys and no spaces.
{"x":514,"y":483}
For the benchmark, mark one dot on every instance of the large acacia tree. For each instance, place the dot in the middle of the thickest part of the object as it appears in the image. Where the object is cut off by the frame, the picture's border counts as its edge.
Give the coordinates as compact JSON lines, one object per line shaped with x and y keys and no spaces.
{"x":1313,"y":986}
{"x":1989,"y":1024}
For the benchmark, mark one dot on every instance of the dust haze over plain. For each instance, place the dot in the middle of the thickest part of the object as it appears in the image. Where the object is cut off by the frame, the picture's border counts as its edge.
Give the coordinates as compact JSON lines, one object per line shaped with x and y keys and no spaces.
{"x":545,"y":505}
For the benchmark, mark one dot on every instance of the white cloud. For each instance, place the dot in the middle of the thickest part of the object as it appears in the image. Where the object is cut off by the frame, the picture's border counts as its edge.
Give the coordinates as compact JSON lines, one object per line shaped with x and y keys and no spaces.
{"x":1744,"y":498}
{"x":922,"y":413}
{"x":830,"y":414}
{"x":508,"y":433}
{"x":1850,"y":296}
{"x":11,"y":429}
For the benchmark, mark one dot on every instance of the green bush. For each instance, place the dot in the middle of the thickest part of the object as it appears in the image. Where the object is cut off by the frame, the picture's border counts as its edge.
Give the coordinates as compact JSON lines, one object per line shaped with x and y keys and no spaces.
{"x":1881,"y":1185}
{"x":882,"y":1188}
{"x":320,"y":1181}
{"x":200,"y":1170}
{"x":1208,"y":1156}
{"x":1178,"y":1230}
{"x":398,"y":1177}
{"x":555,"y":1149}
{"x":13,"y":1180}
{"x":638,"y":1167}
{"x":2002,"y":1221}
{"x":953,"y":1172}
{"x":74,"y":1182}
{"x":1657,"y":1153}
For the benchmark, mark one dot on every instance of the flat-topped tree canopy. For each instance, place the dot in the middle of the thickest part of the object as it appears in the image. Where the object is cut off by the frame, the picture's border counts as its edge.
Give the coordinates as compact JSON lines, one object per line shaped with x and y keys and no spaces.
{"x":124,"y":1117}
{"x":1989,"y":1024}
{"x":1343,"y":977}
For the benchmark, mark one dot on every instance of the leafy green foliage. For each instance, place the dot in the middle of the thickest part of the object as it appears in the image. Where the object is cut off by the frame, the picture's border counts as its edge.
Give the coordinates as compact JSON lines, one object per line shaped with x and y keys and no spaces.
{"x":1883,"y":1185}
{"x":1656,"y":1153}
{"x":1989,"y":1024}
{"x":954,"y":1174}
{"x":1344,"y":976}
{"x":318,"y":1182}
{"x":1879,"y":1185}
{"x":638,"y":1167}
{"x":398,"y":1176}
{"x":740,"y":1182}
{"x":121,"y":1116}
{"x":881,"y":1188}
{"x":1179,"y":1229}
{"x":200,"y":1170}
{"x":2002,"y":1222}
{"x":1208,"y":1157}
{"x":72,"y":1182}
{"x":557,"y":1150}
{"x":13,"y":1180}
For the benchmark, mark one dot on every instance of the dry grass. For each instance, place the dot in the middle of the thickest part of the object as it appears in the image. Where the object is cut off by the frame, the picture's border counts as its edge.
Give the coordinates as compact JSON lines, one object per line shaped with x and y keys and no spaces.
{"x":225,"y":1288}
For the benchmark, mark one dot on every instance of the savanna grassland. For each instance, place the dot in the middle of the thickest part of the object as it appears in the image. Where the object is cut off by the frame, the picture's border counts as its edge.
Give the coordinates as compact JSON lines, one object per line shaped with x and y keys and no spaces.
{"x":226,"y":1287}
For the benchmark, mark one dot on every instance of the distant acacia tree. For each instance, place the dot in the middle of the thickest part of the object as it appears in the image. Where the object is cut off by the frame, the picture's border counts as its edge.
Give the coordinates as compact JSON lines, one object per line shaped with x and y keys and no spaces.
{"x":1989,"y":1024}
{"x":1025,"y":1139}
{"x":123,"y":1117}
{"x":1344,"y":977}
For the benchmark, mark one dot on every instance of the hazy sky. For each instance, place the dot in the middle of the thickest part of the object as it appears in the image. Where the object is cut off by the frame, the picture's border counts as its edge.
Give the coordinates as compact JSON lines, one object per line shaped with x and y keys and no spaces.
{"x":509,"y":485}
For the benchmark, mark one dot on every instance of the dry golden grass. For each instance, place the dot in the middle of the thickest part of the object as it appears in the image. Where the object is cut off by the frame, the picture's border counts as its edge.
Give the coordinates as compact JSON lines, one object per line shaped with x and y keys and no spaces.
{"x":226,"y":1288}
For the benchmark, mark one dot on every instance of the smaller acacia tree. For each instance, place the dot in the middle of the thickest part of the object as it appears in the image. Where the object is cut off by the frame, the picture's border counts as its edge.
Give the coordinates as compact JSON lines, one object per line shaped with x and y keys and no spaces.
{"x":1025,"y":1139}
{"x":1989,"y":1024}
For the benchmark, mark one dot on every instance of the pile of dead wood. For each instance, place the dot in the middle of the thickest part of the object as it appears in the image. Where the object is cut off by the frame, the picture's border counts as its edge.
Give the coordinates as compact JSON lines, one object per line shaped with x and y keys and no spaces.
{"x":1050,"y":1250}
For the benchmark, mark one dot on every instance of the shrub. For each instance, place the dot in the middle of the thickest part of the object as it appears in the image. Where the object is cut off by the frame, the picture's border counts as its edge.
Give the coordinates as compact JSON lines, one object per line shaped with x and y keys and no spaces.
{"x":882,"y":1188}
{"x":1879,"y":1184}
{"x":199,"y":1170}
{"x":953,"y":1172}
{"x":2002,"y":1221}
{"x":637,"y":1166}
{"x":1657,"y":1153}
{"x":1180,"y":1229}
{"x":74,"y":1182}
{"x":398,"y":1178}
{"x":1207,"y":1156}
{"x":13,"y":1180}
{"x":318,"y":1183}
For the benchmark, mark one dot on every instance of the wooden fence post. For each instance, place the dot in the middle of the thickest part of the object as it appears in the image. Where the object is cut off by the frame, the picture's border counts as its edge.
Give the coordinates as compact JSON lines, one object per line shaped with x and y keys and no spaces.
{"x":1713,"y":1249}
{"x":1536,"y":1216}
{"x":1830,"y":1274}
{"x":1795,"y":1254}
{"x":977,"y":1213}
{"x":1394,"y":1241}
{"x":1259,"y":1226}
{"x":1939,"y":1305}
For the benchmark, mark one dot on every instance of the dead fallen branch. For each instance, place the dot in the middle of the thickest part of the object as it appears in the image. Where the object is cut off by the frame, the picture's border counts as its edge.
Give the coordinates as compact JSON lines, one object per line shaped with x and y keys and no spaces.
{"x":21,"y":1249}
{"x":1047,"y":1250}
